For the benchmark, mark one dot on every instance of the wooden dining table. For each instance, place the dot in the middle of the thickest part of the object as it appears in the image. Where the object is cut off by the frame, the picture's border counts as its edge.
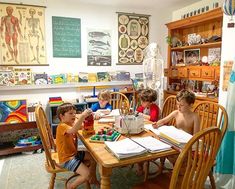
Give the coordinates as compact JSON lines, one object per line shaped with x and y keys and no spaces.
{"x":107,"y":161}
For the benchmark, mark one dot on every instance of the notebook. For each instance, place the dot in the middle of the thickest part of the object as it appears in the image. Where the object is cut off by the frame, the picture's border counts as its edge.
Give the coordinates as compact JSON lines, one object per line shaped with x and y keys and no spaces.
{"x":125,"y":148}
{"x":171,"y":135}
{"x":152,"y":144}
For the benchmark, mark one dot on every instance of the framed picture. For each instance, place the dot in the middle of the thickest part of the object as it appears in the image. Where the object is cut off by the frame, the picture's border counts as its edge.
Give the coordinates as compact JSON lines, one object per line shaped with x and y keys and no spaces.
{"x":13,"y":111}
{"x":191,"y":56}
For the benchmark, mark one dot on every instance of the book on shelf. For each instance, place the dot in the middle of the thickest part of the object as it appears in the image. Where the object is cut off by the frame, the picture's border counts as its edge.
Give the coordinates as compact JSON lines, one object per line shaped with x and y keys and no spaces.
{"x":6,"y":78}
{"x":125,"y":148}
{"x":171,"y":135}
{"x":23,"y":76}
{"x":103,"y":77}
{"x":92,"y":77}
{"x":40,"y":78}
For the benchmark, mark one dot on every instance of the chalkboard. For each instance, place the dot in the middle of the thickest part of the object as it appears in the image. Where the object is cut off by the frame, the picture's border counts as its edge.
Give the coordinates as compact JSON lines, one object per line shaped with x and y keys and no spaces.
{"x":66,"y":37}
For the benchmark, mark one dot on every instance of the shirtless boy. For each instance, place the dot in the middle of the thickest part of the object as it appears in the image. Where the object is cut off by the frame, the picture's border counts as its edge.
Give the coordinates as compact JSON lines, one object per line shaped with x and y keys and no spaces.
{"x":185,"y":119}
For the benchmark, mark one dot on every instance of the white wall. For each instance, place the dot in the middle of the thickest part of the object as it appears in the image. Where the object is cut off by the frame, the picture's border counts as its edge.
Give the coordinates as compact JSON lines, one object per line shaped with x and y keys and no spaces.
{"x":227,"y":53}
{"x":195,"y":6}
{"x":92,"y":16}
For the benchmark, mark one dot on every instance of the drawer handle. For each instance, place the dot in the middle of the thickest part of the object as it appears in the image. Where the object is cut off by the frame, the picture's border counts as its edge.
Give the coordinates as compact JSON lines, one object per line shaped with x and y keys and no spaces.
{"x":194,"y":73}
{"x":206,"y":73}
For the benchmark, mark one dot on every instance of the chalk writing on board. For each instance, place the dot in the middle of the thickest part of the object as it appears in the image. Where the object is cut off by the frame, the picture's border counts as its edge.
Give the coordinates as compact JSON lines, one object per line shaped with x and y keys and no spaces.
{"x":66,"y":37}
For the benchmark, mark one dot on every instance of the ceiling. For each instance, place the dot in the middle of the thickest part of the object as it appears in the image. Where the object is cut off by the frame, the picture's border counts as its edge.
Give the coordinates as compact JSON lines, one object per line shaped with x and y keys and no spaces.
{"x":142,"y":4}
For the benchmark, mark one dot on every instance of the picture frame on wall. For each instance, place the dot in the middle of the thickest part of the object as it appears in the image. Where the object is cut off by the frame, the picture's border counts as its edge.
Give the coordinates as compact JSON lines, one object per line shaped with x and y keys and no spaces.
{"x":191,"y":56}
{"x":13,"y":111}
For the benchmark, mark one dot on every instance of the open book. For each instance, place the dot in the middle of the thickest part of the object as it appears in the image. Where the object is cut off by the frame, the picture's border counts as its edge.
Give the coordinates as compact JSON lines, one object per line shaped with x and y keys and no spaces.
{"x":171,"y":135}
{"x":152,"y":144}
{"x":125,"y":148}
{"x":130,"y":147}
{"x":107,"y":118}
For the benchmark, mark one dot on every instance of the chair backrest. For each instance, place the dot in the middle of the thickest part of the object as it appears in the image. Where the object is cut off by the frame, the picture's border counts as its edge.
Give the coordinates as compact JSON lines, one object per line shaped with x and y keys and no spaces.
{"x":212,"y":114}
{"x":196,"y":160}
{"x":169,"y":106}
{"x":118,"y":100}
{"x":45,"y":135}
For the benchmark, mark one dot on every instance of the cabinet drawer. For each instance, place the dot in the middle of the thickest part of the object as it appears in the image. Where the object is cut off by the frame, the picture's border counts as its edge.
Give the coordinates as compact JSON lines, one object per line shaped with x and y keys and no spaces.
{"x":173,"y":72}
{"x":208,"y":73}
{"x":182,"y":72}
{"x":194,"y":73}
{"x":217,"y":73}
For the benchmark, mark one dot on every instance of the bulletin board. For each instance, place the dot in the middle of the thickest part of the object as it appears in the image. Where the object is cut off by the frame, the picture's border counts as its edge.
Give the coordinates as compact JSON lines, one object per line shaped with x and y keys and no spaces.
{"x":66,"y":37}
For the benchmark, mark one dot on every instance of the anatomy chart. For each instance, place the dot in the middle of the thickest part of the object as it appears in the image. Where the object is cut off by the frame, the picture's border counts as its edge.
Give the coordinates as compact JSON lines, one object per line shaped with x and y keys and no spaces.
{"x":22,"y":35}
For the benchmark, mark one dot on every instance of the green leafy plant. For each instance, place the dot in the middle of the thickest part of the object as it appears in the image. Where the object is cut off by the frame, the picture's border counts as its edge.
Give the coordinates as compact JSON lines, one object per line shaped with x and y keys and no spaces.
{"x":169,"y":40}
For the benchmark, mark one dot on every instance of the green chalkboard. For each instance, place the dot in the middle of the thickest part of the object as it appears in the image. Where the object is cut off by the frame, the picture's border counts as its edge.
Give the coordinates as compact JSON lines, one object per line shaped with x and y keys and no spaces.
{"x":66,"y":37}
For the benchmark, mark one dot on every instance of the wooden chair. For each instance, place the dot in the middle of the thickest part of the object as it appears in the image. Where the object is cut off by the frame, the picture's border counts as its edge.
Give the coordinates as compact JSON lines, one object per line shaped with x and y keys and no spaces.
{"x":193,"y":163}
{"x":169,"y":106}
{"x":45,"y":133}
{"x":118,"y":100}
{"x":212,"y":114}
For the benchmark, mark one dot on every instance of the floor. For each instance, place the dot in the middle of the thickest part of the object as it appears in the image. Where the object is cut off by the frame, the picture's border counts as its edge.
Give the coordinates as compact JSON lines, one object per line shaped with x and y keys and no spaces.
{"x":26,"y":171}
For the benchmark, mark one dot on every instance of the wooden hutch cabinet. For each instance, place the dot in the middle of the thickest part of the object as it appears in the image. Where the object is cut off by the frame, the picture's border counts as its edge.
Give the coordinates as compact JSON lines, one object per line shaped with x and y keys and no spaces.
{"x":208,"y":28}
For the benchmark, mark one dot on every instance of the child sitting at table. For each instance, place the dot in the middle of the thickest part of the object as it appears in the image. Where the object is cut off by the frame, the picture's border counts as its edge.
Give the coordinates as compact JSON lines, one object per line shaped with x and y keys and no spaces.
{"x":66,"y":143}
{"x":102,"y":106}
{"x":185,"y":119}
{"x":148,"y":108}
{"x":150,"y":111}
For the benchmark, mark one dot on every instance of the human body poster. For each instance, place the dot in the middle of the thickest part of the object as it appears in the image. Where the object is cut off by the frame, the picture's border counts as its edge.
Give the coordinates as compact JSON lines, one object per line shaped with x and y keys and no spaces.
{"x":99,"y":47}
{"x":22,"y":35}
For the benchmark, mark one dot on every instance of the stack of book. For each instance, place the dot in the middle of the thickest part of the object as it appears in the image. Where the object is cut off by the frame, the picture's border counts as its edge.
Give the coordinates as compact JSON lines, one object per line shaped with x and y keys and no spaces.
{"x":171,"y":135}
{"x":55,"y":100}
{"x":130,"y":147}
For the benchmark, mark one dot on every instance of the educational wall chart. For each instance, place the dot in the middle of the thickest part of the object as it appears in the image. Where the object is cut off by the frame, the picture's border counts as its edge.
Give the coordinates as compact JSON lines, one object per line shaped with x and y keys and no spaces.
{"x":99,"y":47}
{"x":133,"y":38}
{"x":66,"y":37}
{"x":22,"y":32}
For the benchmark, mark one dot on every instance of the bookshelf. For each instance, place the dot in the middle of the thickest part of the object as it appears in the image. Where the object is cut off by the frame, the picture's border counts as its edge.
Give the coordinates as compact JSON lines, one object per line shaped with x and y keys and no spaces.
{"x":5,"y":150}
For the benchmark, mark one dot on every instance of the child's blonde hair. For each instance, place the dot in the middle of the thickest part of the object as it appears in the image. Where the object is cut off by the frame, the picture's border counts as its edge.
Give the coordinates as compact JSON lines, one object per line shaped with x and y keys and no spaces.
{"x":104,"y":95}
{"x":187,"y":95}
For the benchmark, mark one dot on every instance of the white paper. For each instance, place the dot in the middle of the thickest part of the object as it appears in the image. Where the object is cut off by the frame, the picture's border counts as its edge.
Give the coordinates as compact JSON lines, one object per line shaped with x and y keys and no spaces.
{"x":152,"y":144}
{"x":125,"y":148}
{"x":177,"y":134}
{"x":106,"y":120}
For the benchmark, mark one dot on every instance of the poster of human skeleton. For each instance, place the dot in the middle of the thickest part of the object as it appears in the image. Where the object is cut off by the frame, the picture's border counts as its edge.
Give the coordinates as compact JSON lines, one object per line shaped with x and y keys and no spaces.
{"x":99,"y":47}
{"x":133,"y":38}
{"x":22,"y":35}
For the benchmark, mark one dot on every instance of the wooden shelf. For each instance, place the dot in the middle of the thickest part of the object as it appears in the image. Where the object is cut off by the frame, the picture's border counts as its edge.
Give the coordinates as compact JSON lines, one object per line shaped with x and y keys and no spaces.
{"x":62,"y":86}
{"x":17,"y":126}
{"x":13,"y":127}
{"x":12,"y":150}
{"x":206,"y":45}
{"x":213,"y":99}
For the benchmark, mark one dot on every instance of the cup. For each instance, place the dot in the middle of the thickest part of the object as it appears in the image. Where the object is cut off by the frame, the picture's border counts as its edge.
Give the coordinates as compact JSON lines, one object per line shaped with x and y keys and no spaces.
{"x":80,"y":98}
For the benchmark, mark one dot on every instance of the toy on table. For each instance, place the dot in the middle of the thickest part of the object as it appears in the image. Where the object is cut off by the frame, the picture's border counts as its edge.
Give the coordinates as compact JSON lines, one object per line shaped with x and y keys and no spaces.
{"x":105,"y":134}
{"x":88,"y":126}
